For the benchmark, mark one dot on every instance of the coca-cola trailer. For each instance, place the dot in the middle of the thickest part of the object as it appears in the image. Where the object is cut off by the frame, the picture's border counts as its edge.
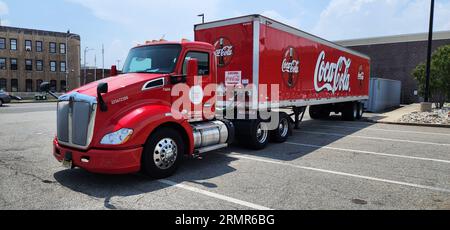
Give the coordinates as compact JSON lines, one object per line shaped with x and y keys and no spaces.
{"x":256,"y":66}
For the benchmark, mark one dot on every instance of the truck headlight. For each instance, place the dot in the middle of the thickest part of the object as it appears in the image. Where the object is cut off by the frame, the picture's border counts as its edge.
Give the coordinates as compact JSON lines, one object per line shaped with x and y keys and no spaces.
{"x":117,"y":138}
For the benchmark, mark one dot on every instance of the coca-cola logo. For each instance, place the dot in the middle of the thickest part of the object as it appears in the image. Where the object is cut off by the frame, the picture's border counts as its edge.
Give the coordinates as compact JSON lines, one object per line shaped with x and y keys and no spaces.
{"x":223,"y":51}
{"x":332,"y":76}
{"x":290,"y":67}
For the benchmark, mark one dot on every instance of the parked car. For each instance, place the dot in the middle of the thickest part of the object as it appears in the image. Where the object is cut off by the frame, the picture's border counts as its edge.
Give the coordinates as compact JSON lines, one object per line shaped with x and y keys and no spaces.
{"x":4,"y":98}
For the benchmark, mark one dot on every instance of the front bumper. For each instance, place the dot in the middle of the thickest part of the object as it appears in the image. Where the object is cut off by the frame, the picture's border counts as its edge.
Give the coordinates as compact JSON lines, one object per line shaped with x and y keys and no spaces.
{"x":102,"y":161}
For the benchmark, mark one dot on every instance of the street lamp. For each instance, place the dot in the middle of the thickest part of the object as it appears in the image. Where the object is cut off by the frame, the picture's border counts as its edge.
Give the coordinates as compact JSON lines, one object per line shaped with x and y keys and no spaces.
{"x":68,"y":37}
{"x":87,"y":49}
{"x":203,"y":17}
{"x":430,"y":44}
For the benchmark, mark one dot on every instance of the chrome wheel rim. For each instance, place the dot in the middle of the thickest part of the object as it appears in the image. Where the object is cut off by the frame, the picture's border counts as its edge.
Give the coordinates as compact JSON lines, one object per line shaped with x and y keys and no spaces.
{"x":261,"y":133}
{"x":283,"y":128}
{"x":165,"y":153}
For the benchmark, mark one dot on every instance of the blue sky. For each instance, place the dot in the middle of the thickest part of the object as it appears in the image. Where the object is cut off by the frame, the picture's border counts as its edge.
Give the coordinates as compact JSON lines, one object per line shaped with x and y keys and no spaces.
{"x":122,"y":24}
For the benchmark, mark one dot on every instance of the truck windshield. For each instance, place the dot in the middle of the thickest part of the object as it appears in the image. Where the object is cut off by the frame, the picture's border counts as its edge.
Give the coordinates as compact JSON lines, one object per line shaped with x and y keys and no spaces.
{"x":152,"y":59}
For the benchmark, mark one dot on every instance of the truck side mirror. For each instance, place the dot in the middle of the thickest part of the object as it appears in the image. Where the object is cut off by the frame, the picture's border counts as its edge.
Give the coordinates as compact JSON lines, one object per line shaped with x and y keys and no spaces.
{"x":44,"y":87}
{"x":113,"y":71}
{"x":192,"y":71}
{"x":102,"y":88}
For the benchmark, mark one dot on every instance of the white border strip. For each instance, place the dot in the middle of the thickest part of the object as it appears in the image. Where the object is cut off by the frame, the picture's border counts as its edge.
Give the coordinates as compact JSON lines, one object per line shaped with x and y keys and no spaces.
{"x":374,"y":138}
{"x":377,"y":129}
{"x":256,"y":49}
{"x":214,"y":195}
{"x":342,"y":173}
{"x":369,"y":152}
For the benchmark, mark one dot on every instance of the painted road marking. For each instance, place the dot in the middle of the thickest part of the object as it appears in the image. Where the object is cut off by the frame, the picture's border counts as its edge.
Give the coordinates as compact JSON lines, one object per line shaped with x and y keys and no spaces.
{"x":373,"y":138}
{"x":369,"y":152}
{"x":214,"y":195}
{"x":385,"y":130}
{"x":239,"y":156}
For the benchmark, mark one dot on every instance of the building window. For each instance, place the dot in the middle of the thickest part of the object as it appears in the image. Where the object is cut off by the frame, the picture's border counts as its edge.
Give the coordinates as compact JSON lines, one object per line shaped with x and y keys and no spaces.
{"x":13,"y":64}
{"x":2,"y":63}
{"x":52,"y":66}
{"x":14,"y":85}
{"x":62,"y":48}
{"x":39,"y":46}
{"x":29,"y":85}
{"x":2,"y":43}
{"x":62,"y":67}
{"x":38,"y":85}
{"x":39,"y":65}
{"x":13,"y":44}
{"x":53,"y":85}
{"x":28,"y":46}
{"x":28,"y":65}
{"x":3,"y":84}
{"x":52,"y":47}
{"x":63,"y":86}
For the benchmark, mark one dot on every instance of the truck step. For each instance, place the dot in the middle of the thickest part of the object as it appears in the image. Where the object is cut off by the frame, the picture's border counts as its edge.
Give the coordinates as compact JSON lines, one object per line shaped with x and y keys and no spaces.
{"x":209,"y":149}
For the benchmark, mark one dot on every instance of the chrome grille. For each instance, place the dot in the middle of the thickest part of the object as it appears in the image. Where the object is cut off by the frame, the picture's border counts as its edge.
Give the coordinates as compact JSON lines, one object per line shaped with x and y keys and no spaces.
{"x":75,"y":123}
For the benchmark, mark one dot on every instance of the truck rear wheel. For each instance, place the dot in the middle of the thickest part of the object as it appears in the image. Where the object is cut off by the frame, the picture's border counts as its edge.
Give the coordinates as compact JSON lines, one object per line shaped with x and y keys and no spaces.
{"x":351,"y":111}
{"x":319,"y":112}
{"x":259,"y":135}
{"x":281,"y":134}
{"x":163,"y":153}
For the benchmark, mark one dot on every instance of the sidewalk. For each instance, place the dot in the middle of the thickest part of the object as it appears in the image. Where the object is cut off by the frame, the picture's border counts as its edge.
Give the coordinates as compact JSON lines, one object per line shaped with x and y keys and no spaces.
{"x":394,"y":117}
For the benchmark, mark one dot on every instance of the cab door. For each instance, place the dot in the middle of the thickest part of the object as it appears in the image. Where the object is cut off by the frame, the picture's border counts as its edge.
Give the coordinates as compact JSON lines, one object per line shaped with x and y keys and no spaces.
{"x":202,"y":90}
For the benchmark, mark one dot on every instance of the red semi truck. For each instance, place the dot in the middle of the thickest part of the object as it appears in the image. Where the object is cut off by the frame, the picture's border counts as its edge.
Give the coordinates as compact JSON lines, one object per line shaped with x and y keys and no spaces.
{"x":133,"y":122}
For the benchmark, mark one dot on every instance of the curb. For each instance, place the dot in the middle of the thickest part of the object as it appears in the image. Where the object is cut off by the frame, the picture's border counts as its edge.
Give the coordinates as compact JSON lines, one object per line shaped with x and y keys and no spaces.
{"x":31,"y":102}
{"x":410,"y":124}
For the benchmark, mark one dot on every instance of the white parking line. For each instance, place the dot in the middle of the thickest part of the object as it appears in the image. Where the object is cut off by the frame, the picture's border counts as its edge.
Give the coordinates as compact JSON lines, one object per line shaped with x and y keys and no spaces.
{"x":214,"y":195}
{"x":373,"y":138}
{"x":238,"y":156}
{"x":369,"y":152}
{"x":385,"y":130}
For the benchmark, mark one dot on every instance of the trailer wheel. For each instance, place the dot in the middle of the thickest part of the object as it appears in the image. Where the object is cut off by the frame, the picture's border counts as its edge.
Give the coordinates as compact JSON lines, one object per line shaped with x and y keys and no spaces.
{"x":281,"y":134}
{"x":351,"y":111}
{"x":162,"y":153}
{"x":360,"y":111}
{"x":259,"y":135}
{"x":319,"y":112}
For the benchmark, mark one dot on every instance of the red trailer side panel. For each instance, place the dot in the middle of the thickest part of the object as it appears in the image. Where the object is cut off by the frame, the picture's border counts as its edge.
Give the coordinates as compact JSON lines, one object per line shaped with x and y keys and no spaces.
{"x":308,"y":70}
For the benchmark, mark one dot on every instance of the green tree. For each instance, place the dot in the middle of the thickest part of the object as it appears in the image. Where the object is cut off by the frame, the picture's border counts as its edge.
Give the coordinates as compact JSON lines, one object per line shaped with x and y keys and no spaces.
{"x":439,"y":77}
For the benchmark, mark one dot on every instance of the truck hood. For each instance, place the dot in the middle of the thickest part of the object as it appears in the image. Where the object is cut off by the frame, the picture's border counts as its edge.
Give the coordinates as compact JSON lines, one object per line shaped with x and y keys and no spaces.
{"x":118,"y":82}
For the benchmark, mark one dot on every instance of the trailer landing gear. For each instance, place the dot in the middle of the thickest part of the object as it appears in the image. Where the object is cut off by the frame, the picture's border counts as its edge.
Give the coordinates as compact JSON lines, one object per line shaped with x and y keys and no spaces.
{"x":299,"y":114}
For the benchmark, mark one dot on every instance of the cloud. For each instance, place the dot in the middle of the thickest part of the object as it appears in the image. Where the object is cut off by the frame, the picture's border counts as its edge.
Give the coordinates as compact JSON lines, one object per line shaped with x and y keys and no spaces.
{"x":3,"y":8}
{"x":345,"y":19}
{"x":172,"y":18}
{"x":295,"y":22}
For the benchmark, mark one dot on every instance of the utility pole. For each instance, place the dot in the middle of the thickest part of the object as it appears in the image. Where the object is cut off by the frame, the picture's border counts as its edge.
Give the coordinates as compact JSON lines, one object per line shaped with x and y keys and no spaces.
{"x":203,"y":17}
{"x":85,"y":63}
{"x":95,"y":67}
{"x":118,"y":64}
{"x":103,"y":61}
{"x":430,"y":44}
{"x":68,"y":36}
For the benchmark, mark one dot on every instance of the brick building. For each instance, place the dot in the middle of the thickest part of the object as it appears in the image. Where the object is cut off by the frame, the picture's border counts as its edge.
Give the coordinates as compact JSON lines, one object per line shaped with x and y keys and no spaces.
{"x":29,"y":57}
{"x":396,"y":57}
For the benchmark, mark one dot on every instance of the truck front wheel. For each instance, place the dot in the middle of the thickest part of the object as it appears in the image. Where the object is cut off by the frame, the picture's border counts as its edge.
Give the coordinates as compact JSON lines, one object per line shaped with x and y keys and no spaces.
{"x":163,"y":153}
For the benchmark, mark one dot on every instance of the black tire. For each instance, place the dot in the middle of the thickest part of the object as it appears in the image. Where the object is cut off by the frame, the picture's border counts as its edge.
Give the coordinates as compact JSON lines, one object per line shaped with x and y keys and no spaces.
{"x":360,"y":111}
{"x":259,"y":136}
{"x":1,"y":103}
{"x":163,"y":138}
{"x":319,"y":112}
{"x":350,"y":112}
{"x":281,"y":134}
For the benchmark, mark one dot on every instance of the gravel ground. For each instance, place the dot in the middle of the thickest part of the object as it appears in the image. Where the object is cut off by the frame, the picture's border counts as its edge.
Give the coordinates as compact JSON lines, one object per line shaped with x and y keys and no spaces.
{"x":438,"y":116}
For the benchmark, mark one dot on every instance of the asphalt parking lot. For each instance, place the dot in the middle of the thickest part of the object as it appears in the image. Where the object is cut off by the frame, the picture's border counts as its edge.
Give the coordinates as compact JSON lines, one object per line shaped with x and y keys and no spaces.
{"x":325,"y":165}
